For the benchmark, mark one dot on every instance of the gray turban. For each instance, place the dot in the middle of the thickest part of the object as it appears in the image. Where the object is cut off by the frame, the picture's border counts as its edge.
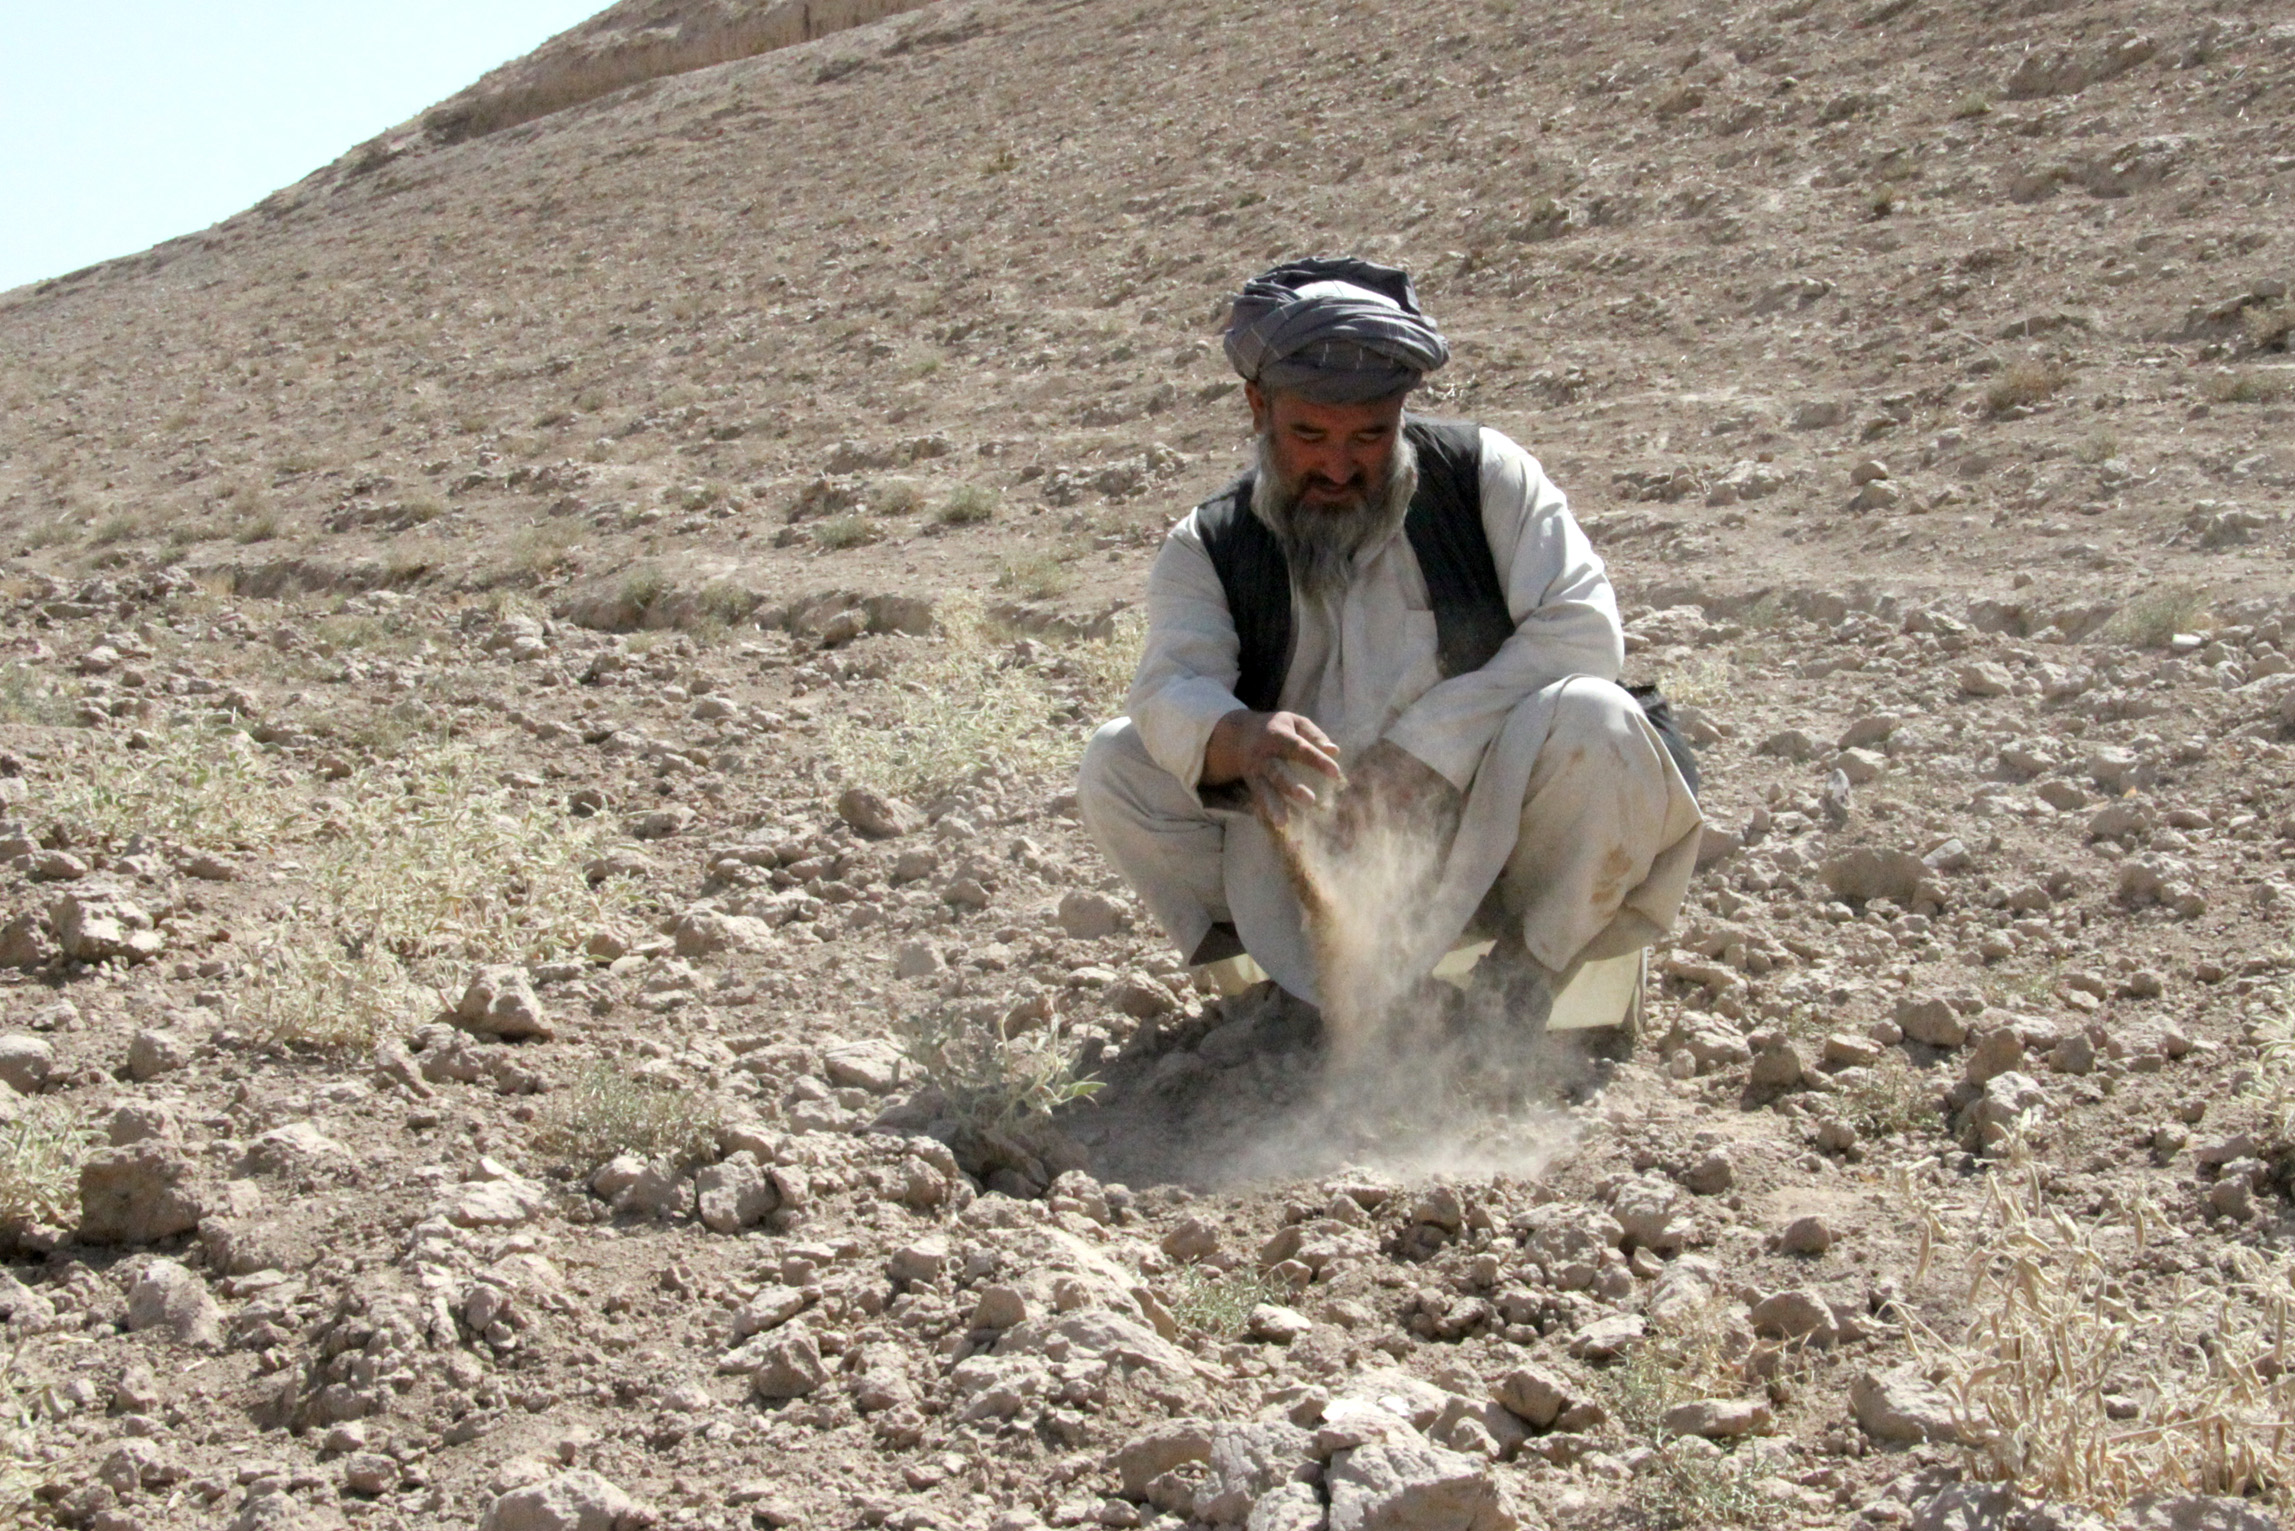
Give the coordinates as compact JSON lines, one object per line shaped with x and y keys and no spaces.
{"x":1336,"y":331}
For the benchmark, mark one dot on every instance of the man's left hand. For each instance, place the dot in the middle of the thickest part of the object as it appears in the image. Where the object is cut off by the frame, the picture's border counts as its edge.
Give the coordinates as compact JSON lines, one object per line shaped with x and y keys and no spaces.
{"x":1389,"y":784}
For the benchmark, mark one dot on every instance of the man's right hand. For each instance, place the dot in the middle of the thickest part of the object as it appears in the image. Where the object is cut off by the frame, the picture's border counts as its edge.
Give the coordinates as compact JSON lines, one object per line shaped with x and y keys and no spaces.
{"x":1247,"y":746}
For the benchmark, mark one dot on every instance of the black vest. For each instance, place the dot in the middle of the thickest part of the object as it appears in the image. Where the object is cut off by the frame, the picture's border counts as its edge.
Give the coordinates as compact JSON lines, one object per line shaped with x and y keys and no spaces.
{"x":1444,"y":524}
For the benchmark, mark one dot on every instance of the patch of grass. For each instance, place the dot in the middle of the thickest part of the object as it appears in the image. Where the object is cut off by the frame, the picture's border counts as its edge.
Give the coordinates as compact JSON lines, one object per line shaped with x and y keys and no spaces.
{"x":117,"y":527}
{"x":2229,"y":387}
{"x":2149,"y":621}
{"x":1702,"y":680}
{"x":959,"y":705}
{"x":25,"y":697}
{"x":899,"y":497}
{"x":989,"y":1077}
{"x":968,"y":505}
{"x":1217,"y":1304}
{"x":256,"y":526}
{"x":544,"y":548}
{"x":1974,"y":104}
{"x":847,"y":531}
{"x":605,"y":1113}
{"x":327,"y":997}
{"x":1038,"y":577}
{"x":2098,"y":446}
{"x":2052,"y":1332}
{"x":2024,"y":383}
{"x":40,"y":1154}
{"x":2268,"y":325}
{"x":1689,"y":1483}
{"x":1893,"y":1098}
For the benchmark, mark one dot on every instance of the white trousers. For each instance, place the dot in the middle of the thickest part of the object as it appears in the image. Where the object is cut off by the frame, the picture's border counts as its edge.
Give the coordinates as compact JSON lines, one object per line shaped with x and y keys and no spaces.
{"x":1577,"y":815}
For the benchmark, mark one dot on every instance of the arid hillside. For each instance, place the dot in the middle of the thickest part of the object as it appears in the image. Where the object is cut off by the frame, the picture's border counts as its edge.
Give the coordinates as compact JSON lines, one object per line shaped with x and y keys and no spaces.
{"x":549,"y":976}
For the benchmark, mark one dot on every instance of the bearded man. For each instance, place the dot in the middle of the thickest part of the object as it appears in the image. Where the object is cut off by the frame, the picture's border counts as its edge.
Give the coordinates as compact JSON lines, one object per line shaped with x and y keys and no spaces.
{"x":1405,"y":606}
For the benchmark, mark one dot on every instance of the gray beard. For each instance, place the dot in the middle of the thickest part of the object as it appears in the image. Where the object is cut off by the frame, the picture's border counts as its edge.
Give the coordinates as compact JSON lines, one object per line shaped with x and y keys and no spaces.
{"x":1320,"y":543}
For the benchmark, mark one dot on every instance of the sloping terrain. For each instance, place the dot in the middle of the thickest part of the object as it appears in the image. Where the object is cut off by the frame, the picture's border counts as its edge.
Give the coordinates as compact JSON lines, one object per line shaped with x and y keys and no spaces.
{"x":548,"y":961}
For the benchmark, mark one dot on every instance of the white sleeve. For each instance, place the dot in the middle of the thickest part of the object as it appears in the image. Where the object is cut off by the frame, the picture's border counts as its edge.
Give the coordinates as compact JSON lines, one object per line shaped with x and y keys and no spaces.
{"x":1186,"y":679}
{"x":1565,"y":617}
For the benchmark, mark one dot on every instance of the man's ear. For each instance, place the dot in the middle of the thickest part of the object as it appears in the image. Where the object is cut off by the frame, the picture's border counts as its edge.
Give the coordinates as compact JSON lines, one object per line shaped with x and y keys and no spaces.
{"x":1261,"y":410}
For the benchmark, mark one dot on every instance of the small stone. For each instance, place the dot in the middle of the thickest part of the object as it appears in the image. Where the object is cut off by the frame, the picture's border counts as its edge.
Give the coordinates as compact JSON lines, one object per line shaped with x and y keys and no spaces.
{"x":917,"y":959}
{"x":575,"y":1501}
{"x":1796,"y":1315}
{"x":1408,"y":1484}
{"x":2011,"y":1103}
{"x":792,"y":1365}
{"x":1088,"y":916}
{"x":1861,"y":766}
{"x":734,"y":1193}
{"x":1982,"y":677}
{"x":99,"y":923}
{"x":1719,"y":1419}
{"x":1778,"y":1066}
{"x":153,"y":1053}
{"x":499,"y":1001}
{"x":1276,"y":1324}
{"x":922,"y":1260}
{"x":1845,"y":1049}
{"x":872,"y":1066}
{"x":1872,"y":470}
{"x":877,"y":816}
{"x":1994,"y":1053}
{"x":1900,"y":1406}
{"x":1805,"y":1236}
{"x":1932,"y":1021}
{"x":706,"y":932}
{"x":999,"y":1307}
{"x":25,"y":1062}
{"x":169,"y":1296}
{"x":136,"y":1195}
{"x":1710,"y":1175}
{"x":1533,"y":1394}
{"x":368,"y":1473}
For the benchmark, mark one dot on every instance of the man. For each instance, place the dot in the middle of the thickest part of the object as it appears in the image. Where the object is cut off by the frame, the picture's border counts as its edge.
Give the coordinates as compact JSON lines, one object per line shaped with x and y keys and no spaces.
{"x":1406,"y":607}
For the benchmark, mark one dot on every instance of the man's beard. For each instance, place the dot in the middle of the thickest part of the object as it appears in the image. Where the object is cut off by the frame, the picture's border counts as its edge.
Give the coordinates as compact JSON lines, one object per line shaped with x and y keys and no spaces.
{"x":1320,"y":541}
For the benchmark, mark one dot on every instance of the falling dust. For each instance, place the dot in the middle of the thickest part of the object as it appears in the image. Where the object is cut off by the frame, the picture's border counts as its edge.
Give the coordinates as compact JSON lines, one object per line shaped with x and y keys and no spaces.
{"x":1410,"y":1077}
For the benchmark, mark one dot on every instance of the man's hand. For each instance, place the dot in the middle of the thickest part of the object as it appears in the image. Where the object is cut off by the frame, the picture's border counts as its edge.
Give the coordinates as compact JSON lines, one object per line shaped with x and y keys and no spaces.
{"x":1389,"y":783}
{"x":1250,"y":747}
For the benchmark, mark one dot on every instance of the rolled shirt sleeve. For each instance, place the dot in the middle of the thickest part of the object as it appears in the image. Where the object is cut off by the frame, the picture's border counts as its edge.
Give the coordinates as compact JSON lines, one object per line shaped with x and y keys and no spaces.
{"x":1565,"y":618}
{"x":1187,"y":674}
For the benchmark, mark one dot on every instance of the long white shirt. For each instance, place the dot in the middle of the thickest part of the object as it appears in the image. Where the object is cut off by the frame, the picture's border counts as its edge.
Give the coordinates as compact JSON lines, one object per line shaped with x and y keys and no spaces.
{"x":1366,"y":668}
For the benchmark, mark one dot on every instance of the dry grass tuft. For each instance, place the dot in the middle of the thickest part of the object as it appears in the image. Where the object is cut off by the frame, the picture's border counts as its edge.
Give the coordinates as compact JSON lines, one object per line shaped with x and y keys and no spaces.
{"x":968,"y":505}
{"x":40,"y":1153}
{"x":2228,"y":387}
{"x":2150,"y":621}
{"x":2053,"y":1332}
{"x":1038,"y":577}
{"x":2025,"y":383}
{"x":605,"y":1113}
{"x":990,"y":1077}
{"x":1217,"y":1304}
{"x":848,"y":531}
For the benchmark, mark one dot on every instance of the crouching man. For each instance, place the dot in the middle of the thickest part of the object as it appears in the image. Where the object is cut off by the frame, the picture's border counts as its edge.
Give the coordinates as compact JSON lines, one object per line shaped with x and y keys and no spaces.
{"x":1404,"y":605}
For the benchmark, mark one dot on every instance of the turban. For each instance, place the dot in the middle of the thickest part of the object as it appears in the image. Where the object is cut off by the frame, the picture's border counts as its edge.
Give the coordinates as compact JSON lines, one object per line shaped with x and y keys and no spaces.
{"x":1337,"y":331}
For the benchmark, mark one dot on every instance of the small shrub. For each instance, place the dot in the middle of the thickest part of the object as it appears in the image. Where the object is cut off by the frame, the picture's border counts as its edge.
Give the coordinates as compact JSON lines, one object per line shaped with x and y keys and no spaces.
{"x":2098,"y":446}
{"x":847,"y":531}
{"x":1217,"y":1304}
{"x":40,"y":1153}
{"x":969,"y":505}
{"x":1974,"y":104}
{"x":117,"y":527}
{"x":2024,"y":383}
{"x":900,"y":497}
{"x":2149,"y":621}
{"x":259,"y":526}
{"x":321,"y":996}
{"x":605,"y":1113}
{"x":2249,"y":387}
{"x":2268,"y":325}
{"x":991,"y":1078}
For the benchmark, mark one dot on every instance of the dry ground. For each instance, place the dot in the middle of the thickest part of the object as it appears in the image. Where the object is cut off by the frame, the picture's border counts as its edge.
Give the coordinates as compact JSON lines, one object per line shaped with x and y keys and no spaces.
{"x":510,"y":552}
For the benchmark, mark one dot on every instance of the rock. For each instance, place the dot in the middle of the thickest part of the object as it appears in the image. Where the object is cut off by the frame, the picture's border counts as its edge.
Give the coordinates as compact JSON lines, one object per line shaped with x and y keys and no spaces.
{"x":1993,"y":1053}
{"x":1276,"y":1324}
{"x":28,"y":942}
{"x":791,"y":1366}
{"x":503,"y":1202}
{"x":1648,"y":1210}
{"x":499,"y":1001}
{"x":25,"y":1062}
{"x":922,"y":1260}
{"x":1607,"y":1338}
{"x":1805,"y":1236}
{"x":642,"y":1187}
{"x":871,"y":1066}
{"x":1191,"y":1238}
{"x":169,"y":1296}
{"x":877,"y":816}
{"x":1533,"y":1394}
{"x":575,"y":1501}
{"x":297,"y":1152}
{"x":153,"y":1053}
{"x":1901,"y":1406}
{"x":1719,"y":1419}
{"x":706,"y":932}
{"x":1711,"y":1175}
{"x":2011,"y":1103}
{"x":999,"y":1307}
{"x":1788,"y":744}
{"x":1778,"y":1066}
{"x":2194,"y":1512}
{"x":369,"y":1473}
{"x":1088,"y":916}
{"x":136,"y":1195}
{"x":1871,"y":729}
{"x":1982,"y":677}
{"x":1145,"y":1458}
{"x":1248,"y":1461}
{"x":1931,"y":1020}
{"x":1287,"y":1507}
{"x":1870,"y":872}
{"x":98,"y":923}
{"x":1404,"y":1484}
{"x":1140,"y":997}
{"x":1861,"y":766}
{"x":1796,"y":1315}
{"x":735,"y":1193}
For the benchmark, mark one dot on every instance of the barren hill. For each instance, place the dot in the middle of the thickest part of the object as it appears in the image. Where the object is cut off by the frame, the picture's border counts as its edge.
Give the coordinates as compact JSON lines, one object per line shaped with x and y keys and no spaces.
{"x":543,"y":938}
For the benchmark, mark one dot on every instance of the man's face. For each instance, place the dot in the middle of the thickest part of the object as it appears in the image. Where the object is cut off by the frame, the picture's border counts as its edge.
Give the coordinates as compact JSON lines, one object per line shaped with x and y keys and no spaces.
{"x":1332,"y":456}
